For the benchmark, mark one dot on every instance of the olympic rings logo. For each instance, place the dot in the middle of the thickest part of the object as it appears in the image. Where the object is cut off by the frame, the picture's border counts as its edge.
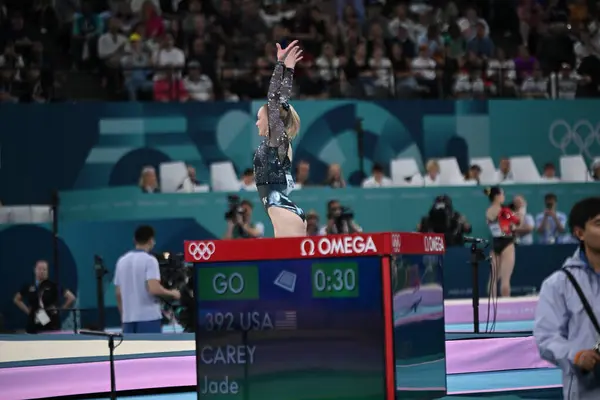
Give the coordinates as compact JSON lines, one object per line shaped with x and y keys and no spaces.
{"x":201,"y":250}
{"x":582,"y":134}
{"x":396,"y":243}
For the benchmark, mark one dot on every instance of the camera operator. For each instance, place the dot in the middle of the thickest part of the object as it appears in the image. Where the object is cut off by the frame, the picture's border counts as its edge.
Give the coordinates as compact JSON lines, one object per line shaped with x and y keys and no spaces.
{"x":442,"y":218}
{"x":564,"y":327}
{"x":340,"y":220}
{"x":137,"y":285}
{"x":239,"y":221}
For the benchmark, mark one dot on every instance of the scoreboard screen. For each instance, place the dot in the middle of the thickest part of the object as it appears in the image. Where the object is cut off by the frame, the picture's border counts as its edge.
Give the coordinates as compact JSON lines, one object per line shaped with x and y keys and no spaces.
{"x":291,"y":329}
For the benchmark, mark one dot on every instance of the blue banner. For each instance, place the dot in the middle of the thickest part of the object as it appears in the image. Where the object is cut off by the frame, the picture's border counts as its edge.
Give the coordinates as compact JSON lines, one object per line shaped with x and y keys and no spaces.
{"x":84,"y":146}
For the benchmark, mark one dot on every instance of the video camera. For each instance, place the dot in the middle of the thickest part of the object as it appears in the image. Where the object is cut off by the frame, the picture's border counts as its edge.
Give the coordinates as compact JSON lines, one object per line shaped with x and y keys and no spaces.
{"x":175,"y":273}
{"x":234,"y":207}
{"x":441,"y":214}
{"x":342,"y":221}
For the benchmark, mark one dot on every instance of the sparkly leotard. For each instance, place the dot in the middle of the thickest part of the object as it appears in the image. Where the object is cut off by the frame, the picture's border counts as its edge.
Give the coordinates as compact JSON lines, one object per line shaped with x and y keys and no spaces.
{"x":272,"y":165}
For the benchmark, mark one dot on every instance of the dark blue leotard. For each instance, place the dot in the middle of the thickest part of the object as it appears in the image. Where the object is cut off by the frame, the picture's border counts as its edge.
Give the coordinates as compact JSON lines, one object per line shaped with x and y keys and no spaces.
{"x":272,"y":165}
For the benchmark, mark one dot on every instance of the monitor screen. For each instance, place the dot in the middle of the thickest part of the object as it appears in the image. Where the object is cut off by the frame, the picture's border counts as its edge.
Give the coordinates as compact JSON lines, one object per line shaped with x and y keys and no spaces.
{"x":291,"y":329}
{"x":419,"y":331}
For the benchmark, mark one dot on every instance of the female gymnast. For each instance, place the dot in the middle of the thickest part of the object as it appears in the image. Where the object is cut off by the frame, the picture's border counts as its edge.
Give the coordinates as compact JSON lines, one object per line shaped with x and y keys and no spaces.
{"x":501,"y":221}
{"x":279,"y":123}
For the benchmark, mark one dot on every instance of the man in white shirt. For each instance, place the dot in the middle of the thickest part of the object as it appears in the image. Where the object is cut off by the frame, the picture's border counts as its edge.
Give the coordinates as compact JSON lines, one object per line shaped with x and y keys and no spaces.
{"x":198,"y":85}
{"x":137,"y":286}
{"x":377,"y":178}
{"x":111,"y":45}
{"x":169,"y":56}
{"x":504,"y":173}
{"x":549,"y":173}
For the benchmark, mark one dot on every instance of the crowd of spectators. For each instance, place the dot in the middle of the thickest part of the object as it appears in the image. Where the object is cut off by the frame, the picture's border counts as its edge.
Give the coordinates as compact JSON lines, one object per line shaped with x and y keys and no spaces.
{"x":200,"y":50}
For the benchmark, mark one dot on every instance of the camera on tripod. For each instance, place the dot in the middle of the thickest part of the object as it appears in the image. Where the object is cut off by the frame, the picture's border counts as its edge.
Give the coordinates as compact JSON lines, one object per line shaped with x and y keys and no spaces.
{"x":175,"y":273}
{"x":234,"y":208}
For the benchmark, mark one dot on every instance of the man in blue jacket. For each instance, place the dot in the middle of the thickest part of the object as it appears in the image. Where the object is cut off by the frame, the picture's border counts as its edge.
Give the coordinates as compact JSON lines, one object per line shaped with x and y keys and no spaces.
{"x":563,"y":331}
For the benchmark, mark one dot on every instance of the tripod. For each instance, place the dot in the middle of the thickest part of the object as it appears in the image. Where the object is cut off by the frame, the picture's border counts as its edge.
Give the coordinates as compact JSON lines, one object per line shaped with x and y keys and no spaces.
{"x":101,"y":272}
{"x":111,"y":355}
{"x":477,"y":256}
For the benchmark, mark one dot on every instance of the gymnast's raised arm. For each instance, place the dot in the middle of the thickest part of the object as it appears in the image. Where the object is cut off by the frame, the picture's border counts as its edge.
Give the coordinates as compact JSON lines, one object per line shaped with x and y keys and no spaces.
{"x":280,"y":89}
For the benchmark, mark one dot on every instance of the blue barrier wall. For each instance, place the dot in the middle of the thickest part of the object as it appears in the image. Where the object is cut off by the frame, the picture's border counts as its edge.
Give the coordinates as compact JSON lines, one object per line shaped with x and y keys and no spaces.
{"x":102,"y":222}
{"x":83,"y":146}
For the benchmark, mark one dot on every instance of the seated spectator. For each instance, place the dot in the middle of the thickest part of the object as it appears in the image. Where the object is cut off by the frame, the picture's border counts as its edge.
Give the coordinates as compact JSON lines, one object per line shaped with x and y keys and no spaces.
{"x":470,"y":22}
{"x":403,"y":38}
{"x":328,"y":64}
{"x":111,"y":45}
{"x":535,"y":86}
{"x":148,"y":182}
{"x":423,"y":69}
{"x":150,"y":17}
{"x":481,"y":44}
{"x":432,"y":176}
{"x":567,"y":82}
{"x":549,"y":173}
{"x":197,"y":84}
{"x":247,"y":182}
{"x":334,"y":177}
{"x":11,"y":59}
{"x":10,"y":89}
{"x":455,"y":42}
{"x":504,"y":173}
{"x":525,"y":63}
{"x":401,"y":19}
{"x":381,"y":66}
{"x":311,"y":85}
{"x":596,"y":170}
{"x":432,"y":40}
{"x":501,"y":72}
{"x":136,"y":68}
{"x":469,"y":85}
{"x":170,"y":87}
{"x":168,"y":57}
{"x":377,"y":178}
{"x":357,"y":71}
{"x":87,"y":28}
{"x":303,"y":174}
{"x":191,"y":184}
{"x":406,"y":84}
{"x":34,"y":89}
{"x":19,"y":33}
{"x":473,"y":174}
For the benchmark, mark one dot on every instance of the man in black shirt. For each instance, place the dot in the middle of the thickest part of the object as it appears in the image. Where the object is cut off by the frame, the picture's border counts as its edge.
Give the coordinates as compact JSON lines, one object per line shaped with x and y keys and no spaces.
{"x":40,"y":301}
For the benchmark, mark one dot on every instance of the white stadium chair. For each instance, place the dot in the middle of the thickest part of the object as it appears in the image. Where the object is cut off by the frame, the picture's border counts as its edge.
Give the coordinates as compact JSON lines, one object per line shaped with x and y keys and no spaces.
{"x":574,"y":169}
{"x":223,"y":177}
{"x":403,"y":168}
{"x":488,"y":170}
{"x":524,"y":170}
{"x":172,"y":174}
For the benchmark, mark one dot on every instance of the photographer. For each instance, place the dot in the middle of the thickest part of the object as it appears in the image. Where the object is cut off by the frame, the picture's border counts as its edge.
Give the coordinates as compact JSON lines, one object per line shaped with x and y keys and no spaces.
{"x":442,"y":218}
{"x":239,"y":221}
{"x":137,"y":286}
{"x":340,"y":220}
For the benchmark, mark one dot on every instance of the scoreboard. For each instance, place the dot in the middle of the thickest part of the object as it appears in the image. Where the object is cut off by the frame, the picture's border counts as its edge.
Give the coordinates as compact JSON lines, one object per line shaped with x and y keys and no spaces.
{"x":296,"y":319}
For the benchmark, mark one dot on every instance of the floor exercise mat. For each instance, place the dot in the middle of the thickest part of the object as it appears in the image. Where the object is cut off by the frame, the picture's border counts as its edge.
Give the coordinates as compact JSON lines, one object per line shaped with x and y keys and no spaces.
{"x":504,"y":310}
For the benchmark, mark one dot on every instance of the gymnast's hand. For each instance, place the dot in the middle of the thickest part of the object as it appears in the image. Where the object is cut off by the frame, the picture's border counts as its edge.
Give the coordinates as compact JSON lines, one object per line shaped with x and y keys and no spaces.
{"x":289,"y":55}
